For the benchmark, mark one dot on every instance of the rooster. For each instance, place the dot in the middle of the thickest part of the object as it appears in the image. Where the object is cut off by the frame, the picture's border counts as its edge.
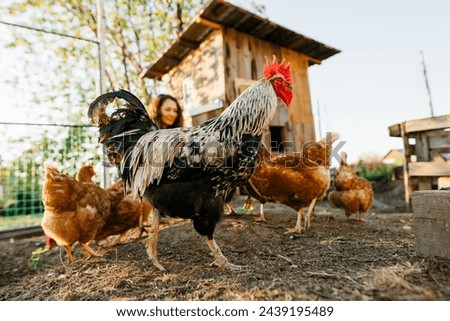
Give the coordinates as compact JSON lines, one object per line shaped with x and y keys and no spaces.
{"x":189,"y":172}
{"x":298,"y":180}
{"x":352,"y":193}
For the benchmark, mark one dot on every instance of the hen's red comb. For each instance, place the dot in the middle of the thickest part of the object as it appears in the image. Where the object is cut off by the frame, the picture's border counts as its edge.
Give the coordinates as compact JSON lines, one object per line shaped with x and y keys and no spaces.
{"x":273,"y":68}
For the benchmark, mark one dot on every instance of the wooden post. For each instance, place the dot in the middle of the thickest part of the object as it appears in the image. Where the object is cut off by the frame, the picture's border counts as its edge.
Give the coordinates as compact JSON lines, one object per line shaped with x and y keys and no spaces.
{"x":409,"y":184}
{"x":101,"y":86}
{"x":423,"y":155}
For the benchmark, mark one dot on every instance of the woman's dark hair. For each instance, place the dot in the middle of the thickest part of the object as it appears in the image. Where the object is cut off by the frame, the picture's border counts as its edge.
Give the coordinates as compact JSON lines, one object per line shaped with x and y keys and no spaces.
{"x":155,"y":110}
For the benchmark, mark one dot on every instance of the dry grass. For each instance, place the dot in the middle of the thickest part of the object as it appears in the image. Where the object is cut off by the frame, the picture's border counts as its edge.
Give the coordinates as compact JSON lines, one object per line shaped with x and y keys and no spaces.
{"x":338,"y":259}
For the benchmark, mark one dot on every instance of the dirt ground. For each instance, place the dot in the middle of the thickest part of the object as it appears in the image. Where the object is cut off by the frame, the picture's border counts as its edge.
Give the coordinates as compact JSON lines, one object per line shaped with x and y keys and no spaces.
{"x":337,"y":259}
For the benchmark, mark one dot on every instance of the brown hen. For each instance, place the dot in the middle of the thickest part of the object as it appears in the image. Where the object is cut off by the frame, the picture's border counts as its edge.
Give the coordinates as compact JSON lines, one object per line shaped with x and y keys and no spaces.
{"x":353,"y":194}
{"x":73,"y":211}
{"x":297,"y":180}
{"x":126,"y":211}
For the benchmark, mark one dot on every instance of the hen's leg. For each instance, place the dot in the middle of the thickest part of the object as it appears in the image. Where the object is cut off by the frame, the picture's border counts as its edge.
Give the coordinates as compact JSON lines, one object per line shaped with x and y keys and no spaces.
{"x":88,"y":249}
{"x":142,"y":226}
{"x":219,"y":259}
{"x":68,"y":249}
{"x":298,"y":226}
{"x":308,"y":214}
{"x":360,"y":217}
{"x":261,"y":218}
{"x":231,"y":210}
{"x":248,"y":205}
{"x":153,"y":241}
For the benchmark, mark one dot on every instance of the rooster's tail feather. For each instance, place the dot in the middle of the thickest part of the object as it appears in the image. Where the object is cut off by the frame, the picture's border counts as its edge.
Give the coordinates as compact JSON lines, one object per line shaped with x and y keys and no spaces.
{"x":120,"y":129}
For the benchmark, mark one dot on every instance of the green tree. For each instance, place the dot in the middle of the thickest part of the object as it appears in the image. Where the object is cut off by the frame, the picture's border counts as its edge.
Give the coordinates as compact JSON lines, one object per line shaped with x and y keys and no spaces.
{"x":136,"y":33}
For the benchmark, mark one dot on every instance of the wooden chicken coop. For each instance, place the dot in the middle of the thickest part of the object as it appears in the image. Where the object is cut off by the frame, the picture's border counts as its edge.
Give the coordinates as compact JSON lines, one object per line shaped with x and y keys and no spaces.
{"x":426,"y":145}
{"x":221,"y":52}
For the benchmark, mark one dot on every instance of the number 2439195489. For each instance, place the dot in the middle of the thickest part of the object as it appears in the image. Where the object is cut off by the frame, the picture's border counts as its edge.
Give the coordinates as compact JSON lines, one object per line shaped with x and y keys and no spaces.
{"x":295,"y":311}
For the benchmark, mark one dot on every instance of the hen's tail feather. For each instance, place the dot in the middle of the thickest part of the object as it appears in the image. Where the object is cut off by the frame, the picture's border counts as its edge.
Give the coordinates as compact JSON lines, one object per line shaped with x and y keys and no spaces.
{"x":330,"y":138}
{"x":121,"y":129}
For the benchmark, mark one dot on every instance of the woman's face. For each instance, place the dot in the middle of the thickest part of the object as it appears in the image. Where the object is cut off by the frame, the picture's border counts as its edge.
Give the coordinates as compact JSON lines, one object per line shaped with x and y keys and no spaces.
{"x":169,"y":113}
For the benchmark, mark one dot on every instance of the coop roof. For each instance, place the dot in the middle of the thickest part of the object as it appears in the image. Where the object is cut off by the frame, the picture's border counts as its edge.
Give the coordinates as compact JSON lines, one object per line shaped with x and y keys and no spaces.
{"x":221,"y":13}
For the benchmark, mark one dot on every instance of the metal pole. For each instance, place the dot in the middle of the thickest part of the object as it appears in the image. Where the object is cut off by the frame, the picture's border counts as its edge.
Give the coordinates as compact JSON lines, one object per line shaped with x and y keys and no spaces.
{"x":101,"y":65}
{"x":426,"y":83}
{"x":319,"y":120}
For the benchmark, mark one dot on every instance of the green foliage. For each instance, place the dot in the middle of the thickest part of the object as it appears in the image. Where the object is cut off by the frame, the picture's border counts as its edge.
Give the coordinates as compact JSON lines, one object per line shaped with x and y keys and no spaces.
{"x":375,"y":171}
{"x":36,"y":256}
{"x":137,"y":31}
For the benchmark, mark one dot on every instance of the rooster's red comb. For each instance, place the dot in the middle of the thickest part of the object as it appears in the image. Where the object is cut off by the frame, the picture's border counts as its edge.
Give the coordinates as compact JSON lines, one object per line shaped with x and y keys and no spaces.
{"x":273,"y":68}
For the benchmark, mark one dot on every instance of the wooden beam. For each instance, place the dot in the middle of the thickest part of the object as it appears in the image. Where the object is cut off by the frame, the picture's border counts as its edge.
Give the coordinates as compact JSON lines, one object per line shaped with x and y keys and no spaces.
{"x":429,"y":169}
{"x":395,"y":130}
{"x":314,"y":60}
{"x":208,"y":23}
{"x":419,"y":125}
{"x":432,"y":123}
{"x":188,"y":43}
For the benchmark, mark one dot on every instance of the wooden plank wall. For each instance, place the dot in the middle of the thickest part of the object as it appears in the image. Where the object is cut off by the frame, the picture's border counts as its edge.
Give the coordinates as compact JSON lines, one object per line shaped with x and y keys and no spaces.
{"x":300,"y":111}
{"x":244,"y":58}
{"x":205,"y":67}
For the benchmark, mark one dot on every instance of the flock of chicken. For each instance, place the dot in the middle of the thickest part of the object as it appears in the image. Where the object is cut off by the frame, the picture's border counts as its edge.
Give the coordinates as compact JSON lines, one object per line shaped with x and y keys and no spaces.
{"x":193,"y":172}
{"x":78,"y":210}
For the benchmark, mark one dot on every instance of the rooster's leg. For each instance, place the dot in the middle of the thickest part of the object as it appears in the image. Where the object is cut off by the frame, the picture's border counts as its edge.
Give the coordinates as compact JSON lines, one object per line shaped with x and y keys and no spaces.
{"x":298,"y":226}
{"x":88,"y":249}
{"x":219,"y":259}
{"x":152,"y":243}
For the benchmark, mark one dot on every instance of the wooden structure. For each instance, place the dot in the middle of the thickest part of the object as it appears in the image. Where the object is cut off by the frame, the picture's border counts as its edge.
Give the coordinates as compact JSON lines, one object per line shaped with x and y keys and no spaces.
{"x":427,"y":152}
{"x":432,"y":222}
{"x":395,"y":157}
{"x":221,"y":52}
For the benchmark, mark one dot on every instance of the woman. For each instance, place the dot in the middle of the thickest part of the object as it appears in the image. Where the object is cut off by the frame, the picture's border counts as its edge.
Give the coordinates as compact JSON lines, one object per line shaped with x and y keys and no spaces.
{"x":166,"y":112}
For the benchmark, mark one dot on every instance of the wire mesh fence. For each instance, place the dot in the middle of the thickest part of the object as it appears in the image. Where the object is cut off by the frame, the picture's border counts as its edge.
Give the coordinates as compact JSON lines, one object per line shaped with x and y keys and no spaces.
{"x":25,"y":148}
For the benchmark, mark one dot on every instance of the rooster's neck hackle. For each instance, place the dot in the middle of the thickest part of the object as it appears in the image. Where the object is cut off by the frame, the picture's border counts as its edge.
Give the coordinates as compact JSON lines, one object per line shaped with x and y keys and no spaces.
{"x":250,"y":113}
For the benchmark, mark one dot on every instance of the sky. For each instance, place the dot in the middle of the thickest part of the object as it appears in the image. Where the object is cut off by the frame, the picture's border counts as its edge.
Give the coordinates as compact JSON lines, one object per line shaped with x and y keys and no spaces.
{"x":377,"y":79}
